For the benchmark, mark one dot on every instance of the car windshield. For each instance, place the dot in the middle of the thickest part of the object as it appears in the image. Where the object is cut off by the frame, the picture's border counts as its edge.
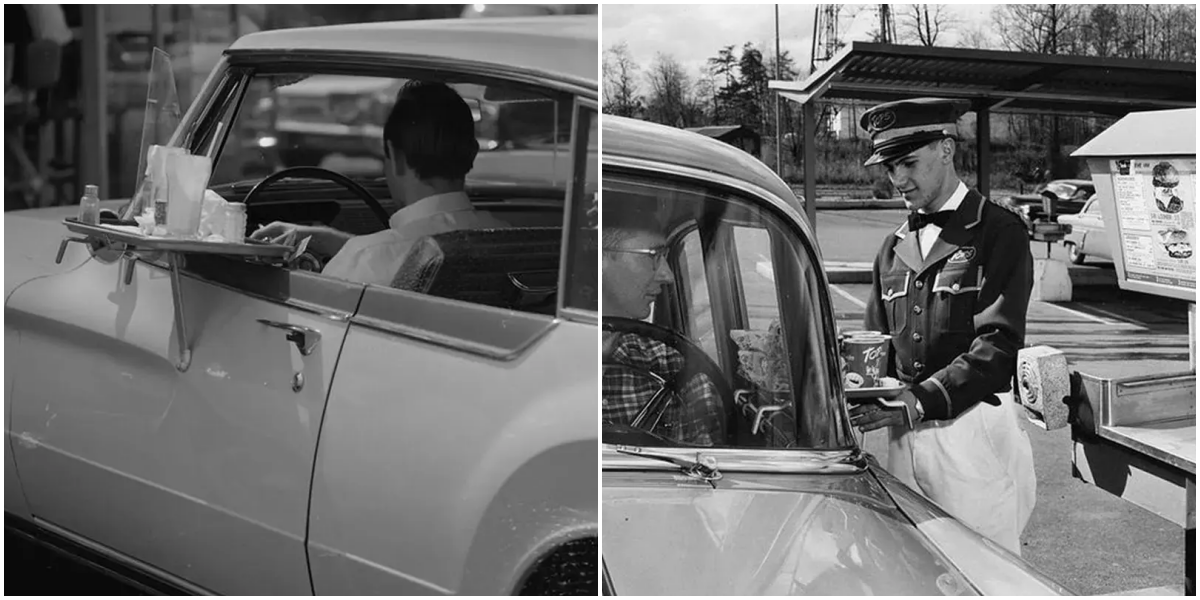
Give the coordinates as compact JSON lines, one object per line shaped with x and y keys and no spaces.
{"x":717,"y":331}
{"x":335,"y":121}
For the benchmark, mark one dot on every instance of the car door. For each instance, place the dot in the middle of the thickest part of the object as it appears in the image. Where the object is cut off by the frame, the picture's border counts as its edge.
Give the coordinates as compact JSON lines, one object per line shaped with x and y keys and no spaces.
{"x":466,"y":451}
{"x":1094,"y":241}
{"x":199,"y":472}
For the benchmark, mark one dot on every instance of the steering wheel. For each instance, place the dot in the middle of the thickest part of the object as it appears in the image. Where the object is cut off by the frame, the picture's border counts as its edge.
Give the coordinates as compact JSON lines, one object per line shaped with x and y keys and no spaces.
{"x":696,"y":363}
{"x":327,"y":175}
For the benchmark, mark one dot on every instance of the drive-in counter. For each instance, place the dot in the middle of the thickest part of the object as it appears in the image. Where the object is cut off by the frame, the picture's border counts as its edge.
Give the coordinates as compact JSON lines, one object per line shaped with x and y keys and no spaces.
{"x":1135,"y":436}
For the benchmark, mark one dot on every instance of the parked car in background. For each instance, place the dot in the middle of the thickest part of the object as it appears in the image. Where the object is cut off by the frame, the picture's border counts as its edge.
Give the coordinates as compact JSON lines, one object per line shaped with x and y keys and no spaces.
{"x":1088,"y":236}
{"x":1069,"y":196}
{"x":240,"y":427}
{"x":761,"y":486}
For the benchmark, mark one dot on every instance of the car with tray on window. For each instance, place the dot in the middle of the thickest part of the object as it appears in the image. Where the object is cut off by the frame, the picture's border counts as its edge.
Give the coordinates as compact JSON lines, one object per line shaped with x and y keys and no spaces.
{"x":215,"y":423}
{"x":730,"y":466}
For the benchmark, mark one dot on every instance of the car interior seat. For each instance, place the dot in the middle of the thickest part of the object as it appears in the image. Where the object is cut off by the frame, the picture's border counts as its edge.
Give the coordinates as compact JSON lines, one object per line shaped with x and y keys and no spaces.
{"x":514,"y":268}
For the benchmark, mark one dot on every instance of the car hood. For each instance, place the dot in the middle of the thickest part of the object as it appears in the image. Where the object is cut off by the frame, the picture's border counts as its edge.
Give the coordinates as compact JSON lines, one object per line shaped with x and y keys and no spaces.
{"x":766,"y":534}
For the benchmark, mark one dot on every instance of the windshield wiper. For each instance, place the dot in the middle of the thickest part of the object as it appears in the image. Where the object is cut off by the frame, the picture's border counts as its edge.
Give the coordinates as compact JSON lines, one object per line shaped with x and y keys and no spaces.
{"x":701,"y":467}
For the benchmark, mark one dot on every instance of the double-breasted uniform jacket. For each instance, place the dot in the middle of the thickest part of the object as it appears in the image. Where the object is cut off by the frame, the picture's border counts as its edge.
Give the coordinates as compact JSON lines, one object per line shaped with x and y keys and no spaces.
{"x":956,"y":317}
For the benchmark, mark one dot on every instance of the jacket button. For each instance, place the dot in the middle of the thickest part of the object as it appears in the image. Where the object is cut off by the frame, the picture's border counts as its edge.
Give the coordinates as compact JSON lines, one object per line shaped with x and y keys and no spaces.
{"x":920,"y":284}
{"x":917,"y":337}
{"x":919,"y":366}
{"x":954,"y":287}
{"x":889,"y":291}
{"x":918,"y":310}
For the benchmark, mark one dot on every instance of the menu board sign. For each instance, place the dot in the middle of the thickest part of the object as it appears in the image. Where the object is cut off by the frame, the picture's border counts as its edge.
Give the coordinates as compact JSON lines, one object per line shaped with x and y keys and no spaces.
{"x":1155,"y":201}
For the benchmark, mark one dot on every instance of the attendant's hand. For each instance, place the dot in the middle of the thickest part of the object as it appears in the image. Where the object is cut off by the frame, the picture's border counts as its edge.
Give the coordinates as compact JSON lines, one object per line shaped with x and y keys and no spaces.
{"x":871,"y":415}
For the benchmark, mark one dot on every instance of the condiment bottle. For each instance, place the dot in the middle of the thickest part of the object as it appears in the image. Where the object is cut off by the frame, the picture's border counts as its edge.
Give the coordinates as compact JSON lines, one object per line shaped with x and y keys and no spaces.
{"x":89,"y":205}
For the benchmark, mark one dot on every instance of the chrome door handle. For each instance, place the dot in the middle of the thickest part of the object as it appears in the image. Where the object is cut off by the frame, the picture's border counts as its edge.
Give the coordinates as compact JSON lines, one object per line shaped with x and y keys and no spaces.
{"x":305,"y":338}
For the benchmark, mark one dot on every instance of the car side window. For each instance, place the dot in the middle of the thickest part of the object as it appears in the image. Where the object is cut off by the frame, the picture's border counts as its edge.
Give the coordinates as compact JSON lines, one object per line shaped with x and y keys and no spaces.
{"x":753,"y":246}
{"x":578,"y":280}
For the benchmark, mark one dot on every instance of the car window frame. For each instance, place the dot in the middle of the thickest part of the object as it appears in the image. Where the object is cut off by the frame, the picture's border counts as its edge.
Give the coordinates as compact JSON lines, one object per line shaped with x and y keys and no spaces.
{"x":792,"y":223}
{"x":576,"y":185}
{"x":234,"y":77}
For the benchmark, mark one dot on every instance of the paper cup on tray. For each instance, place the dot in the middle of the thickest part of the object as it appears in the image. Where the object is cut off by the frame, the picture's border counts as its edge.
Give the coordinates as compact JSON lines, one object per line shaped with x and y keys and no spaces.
{"x":865,"y":355}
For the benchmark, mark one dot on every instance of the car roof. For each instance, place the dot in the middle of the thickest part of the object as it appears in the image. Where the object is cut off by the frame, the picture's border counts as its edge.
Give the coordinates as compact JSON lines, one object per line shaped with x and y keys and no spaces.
{"x":560,"y":45}
{"x":643,"y":140}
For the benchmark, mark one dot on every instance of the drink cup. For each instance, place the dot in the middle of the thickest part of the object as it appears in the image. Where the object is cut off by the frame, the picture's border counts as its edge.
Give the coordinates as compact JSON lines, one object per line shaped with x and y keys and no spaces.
{"x":865,"y":354}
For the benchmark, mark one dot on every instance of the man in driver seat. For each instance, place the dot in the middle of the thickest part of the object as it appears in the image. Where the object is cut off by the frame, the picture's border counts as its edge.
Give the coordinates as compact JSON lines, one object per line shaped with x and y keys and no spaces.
{"x":429,"y":146}
{"x":633,"y":273}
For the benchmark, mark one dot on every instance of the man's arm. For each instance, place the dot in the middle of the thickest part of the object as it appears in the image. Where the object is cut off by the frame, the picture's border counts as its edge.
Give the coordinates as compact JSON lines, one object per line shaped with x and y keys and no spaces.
{"x":325,"y":240}
{"x":999,"y":331}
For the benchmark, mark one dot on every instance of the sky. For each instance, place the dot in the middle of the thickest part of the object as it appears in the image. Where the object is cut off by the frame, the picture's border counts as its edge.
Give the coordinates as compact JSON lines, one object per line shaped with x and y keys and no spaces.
{"x":693,"y":33}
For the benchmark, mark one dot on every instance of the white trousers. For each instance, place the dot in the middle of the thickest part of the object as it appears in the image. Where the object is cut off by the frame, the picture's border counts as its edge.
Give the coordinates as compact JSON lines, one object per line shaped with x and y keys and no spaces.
{"x":978,"y":468}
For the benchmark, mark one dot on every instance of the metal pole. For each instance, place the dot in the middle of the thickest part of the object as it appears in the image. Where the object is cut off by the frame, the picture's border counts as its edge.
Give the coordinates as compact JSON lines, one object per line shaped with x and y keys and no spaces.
{"x":778,"y":134}
{"x":810,"y":163}
{"x":983,"y":155}
{"x":93,"y":136}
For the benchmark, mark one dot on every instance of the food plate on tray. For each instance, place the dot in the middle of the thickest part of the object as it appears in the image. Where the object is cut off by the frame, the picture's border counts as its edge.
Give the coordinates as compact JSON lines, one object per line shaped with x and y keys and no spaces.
{"x":892,"y":389}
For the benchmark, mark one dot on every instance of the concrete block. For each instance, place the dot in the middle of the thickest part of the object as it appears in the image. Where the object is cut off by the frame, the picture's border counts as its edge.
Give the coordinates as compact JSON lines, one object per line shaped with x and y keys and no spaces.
{"x":1051,"y":281}
{"x":1043,"y":384}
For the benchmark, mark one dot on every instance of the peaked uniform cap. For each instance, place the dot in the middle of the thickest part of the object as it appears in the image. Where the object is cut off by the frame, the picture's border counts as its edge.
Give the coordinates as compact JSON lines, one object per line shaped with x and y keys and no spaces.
{"x":899,"y":127}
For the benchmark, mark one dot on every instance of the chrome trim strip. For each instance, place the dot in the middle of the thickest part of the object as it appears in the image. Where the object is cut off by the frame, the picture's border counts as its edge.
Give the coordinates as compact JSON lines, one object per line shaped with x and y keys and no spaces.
{"x":120,"y":558}
{"x":734,"y":460}
{"x":485,"y":331}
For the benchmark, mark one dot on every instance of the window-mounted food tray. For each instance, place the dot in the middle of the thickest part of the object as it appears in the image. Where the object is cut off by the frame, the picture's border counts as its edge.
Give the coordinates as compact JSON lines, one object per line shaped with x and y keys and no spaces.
{"x":130,"y":236}
{"x":132,"y":240}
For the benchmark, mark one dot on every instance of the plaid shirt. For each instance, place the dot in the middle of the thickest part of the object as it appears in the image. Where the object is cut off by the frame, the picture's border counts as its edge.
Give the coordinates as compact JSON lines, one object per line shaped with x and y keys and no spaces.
{"x":697,"y":418}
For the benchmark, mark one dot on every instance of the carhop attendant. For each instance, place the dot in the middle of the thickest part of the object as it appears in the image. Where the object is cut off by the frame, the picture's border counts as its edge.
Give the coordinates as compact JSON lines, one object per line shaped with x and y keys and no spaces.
{"x":951,"y":286}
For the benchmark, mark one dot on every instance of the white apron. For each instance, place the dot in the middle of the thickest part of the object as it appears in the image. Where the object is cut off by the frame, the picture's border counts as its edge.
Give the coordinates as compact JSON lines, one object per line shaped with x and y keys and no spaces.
{"x":978,"y":467}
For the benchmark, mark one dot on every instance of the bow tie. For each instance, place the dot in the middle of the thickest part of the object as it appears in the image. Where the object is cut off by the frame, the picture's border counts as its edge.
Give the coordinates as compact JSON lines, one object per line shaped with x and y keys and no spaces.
{"x":918,"y":220}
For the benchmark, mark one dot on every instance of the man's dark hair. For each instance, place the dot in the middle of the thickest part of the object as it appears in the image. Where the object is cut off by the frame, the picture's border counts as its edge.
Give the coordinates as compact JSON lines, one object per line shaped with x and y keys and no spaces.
{"x":432,"y":130}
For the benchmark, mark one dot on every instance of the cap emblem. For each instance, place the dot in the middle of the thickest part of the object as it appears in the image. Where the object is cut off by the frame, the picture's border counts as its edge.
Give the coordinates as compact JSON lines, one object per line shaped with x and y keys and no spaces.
{"x":882,"y":120}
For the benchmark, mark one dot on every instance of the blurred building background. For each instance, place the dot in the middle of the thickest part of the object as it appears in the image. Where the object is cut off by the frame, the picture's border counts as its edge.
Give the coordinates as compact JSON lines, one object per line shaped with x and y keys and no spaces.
{"x":76,"y":78}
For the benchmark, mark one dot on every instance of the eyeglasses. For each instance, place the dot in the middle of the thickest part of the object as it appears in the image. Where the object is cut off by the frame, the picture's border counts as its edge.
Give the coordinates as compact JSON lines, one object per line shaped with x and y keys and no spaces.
{"x":658,"y":254}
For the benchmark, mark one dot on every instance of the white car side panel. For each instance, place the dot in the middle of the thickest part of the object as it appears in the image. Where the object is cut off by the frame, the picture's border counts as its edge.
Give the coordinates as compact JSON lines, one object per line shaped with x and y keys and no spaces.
{"x":413,"y":457}
{"x":204,"y":474}
{"x":14,"y":497}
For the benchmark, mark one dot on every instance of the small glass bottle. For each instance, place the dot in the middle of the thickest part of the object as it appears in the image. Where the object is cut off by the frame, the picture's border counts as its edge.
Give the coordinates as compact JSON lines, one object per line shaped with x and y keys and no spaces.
{"x":89,"y":205}
{"x":235,"y":222}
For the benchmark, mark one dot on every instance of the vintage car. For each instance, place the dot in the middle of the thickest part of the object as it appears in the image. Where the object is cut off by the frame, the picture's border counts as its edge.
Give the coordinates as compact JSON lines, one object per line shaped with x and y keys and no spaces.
{"x":759,"y":485}
{"x":1088,"y":236}
{"x":1067,"y":195}
{"x":244,"y":427}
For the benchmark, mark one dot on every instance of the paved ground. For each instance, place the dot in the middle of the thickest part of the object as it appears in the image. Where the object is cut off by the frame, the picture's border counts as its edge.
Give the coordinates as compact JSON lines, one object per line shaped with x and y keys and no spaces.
{"x":1079,"y":535}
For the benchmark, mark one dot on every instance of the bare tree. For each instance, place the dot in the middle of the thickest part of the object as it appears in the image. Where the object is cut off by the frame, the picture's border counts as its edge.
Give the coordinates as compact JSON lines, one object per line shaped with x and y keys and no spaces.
{"x":670,"y":92}
{"x":1042,"y":28}
{"x":621,"y":96}
{"x":925,"y":22}
{"x":977,"y":38}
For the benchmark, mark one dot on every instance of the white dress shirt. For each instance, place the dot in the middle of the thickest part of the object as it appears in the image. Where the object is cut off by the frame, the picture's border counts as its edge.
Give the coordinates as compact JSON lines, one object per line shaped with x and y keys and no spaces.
{"x":376,"y":257}
{"x":929,"y":233}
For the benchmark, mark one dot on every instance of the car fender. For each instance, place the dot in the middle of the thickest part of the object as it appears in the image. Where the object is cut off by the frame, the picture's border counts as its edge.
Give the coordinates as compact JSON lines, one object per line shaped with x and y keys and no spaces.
{"x":541,"y":495}
{"x":546,"y":503}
